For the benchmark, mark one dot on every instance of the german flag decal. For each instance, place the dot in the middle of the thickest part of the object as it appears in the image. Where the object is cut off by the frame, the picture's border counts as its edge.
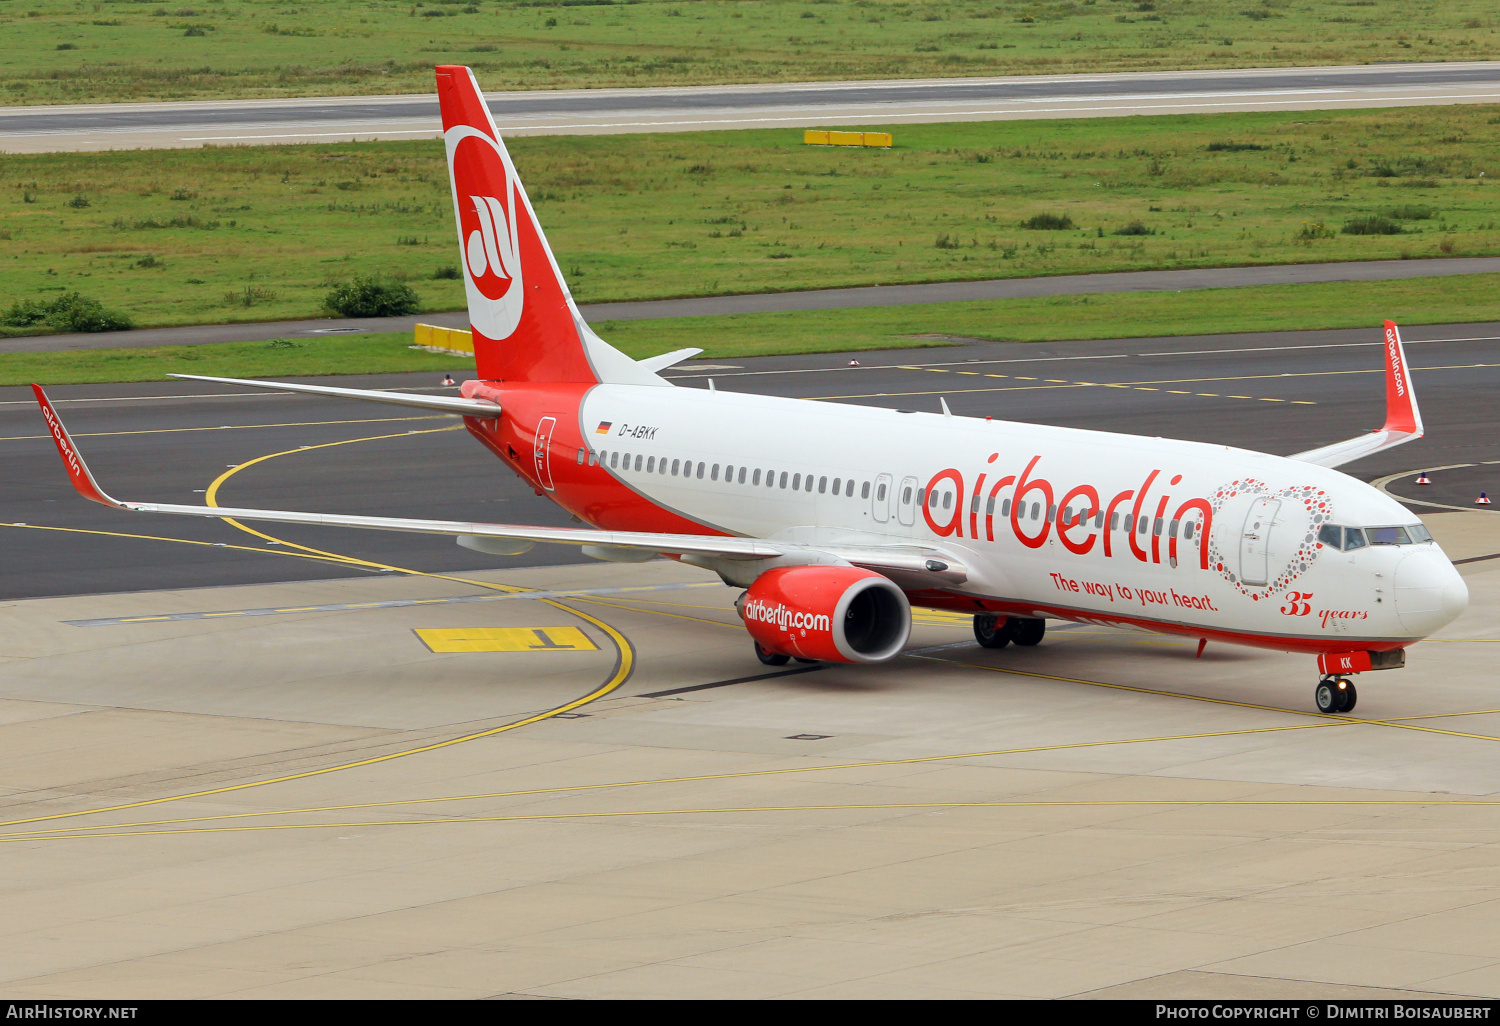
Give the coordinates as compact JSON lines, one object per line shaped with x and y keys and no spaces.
{"x":603,"y":428}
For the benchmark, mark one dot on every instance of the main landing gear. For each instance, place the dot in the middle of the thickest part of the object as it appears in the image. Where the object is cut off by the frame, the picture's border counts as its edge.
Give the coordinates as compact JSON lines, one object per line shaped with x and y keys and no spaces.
{"x":770,"y":658}
{"x":1335,"y":695}
{"x":998,"y":631}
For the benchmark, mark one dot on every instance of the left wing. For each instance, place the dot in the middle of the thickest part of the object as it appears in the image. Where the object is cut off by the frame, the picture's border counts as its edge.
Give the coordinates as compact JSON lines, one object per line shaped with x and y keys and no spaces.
{"x":444,"y":403}
{"x":1403,"y":421}
{"x":905,"y":558}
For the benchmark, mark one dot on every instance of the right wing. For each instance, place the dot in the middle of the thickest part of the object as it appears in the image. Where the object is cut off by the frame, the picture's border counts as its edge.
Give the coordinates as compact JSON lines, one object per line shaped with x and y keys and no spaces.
{"x":1403,"y":421}
{"x":913,"y":559}
{"x":445,"y":403}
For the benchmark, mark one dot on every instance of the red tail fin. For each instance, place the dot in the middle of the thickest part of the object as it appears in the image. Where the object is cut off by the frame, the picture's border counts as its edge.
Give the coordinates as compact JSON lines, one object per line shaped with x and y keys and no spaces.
{"x":525,"y":325}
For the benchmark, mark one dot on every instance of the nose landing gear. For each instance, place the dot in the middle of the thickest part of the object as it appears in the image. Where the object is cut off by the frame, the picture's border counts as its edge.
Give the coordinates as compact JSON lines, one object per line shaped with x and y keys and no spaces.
{"x":1335,"y":695}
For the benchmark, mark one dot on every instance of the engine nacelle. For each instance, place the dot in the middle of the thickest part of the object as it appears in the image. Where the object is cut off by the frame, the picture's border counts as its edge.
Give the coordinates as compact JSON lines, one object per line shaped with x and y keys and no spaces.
{"x":838,"y":613}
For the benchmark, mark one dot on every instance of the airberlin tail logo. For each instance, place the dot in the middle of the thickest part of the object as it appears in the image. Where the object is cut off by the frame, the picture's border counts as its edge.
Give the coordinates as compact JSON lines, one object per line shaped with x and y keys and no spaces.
{"x":489,"y":245}
{"x":488,"y":204}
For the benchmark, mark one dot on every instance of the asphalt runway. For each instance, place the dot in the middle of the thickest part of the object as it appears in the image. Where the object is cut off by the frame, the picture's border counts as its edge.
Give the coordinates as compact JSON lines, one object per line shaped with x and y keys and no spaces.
{"x":256,"y":770}
{"x":1278,"y":392}
{"x":699,"y":108}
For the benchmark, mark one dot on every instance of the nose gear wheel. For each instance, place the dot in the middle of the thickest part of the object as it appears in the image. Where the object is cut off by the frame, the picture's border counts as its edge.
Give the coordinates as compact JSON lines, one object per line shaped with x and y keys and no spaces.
{"x":1335,"y":695}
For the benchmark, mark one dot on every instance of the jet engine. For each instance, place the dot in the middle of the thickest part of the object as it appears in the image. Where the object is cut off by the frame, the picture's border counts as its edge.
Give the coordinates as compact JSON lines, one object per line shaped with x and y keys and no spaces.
{"x":835,"y":613}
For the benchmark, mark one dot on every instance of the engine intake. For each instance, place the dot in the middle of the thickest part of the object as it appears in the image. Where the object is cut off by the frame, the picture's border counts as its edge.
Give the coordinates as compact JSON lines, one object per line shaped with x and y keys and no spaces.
{"x":836,"y":613}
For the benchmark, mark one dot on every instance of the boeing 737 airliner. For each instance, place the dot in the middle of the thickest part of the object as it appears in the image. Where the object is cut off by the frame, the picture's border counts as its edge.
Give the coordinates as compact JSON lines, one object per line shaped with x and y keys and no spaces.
{"x":836,"y":519}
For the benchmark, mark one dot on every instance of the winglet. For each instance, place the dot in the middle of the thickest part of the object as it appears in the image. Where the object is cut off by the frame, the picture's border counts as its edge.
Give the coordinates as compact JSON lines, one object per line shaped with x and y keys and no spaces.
{"x":78,"y":471}
{"x":1401,"y":413}
{"x":1403,"y":421}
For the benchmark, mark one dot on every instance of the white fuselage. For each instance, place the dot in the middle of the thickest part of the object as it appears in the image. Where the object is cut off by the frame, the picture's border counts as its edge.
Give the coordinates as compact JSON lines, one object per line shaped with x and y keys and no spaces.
{"x":1124,"y":540}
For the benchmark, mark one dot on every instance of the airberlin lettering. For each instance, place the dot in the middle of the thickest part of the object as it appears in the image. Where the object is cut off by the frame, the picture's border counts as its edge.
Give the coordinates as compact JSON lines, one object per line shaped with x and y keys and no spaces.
{"x":62,"y":441}
{"x":1393,"y":354}
{"x":778,"y":614}
{"x":1082,"y":518}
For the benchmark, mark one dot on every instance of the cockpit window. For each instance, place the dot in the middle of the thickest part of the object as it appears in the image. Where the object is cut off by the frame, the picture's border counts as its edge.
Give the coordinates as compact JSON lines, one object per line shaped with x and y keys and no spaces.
{"x":1348,"y":538}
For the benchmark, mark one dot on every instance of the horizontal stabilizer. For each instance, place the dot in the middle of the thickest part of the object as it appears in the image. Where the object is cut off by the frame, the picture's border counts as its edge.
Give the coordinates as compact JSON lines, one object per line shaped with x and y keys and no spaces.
{"x":657,"y":364}
{"x":444,"y":403}
{"x":1403,"y":420}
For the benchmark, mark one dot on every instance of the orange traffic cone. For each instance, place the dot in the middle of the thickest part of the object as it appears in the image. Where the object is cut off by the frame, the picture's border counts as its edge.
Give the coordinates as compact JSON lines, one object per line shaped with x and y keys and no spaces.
{"x":1483,"y":500}
{"x":1422,"y":478}
{"x":854,"y":363}
{"x":447,"y":379}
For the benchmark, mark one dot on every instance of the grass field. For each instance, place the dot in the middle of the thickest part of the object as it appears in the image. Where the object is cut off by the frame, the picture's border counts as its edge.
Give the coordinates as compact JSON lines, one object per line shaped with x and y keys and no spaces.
{"x":68,"y":51}
{"x":261,"y":233}
{"x":1120,"y":315}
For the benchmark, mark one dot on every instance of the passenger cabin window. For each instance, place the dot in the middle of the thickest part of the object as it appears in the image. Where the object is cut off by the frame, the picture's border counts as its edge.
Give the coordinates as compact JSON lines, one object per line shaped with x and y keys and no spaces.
{"x":581,"y":454}
{"x":675,"y":464}
{"x":783,"y":479}
{"x":742,"y":476}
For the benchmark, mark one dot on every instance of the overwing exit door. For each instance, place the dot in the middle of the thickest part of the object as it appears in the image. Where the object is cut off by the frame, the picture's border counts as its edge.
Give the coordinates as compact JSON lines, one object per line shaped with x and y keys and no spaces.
{"x":906,"y":501}
{"x":880,"y":506}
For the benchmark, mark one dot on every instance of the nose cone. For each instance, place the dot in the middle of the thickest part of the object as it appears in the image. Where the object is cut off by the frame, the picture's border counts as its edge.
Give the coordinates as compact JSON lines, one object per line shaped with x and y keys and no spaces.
{"x":1429,"y":591}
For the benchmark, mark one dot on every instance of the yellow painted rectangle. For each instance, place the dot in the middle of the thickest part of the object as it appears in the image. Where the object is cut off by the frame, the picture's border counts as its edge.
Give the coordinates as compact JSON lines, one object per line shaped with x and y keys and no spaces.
{"x":846,"y":138}
{"x":877,"y":139}
{"x":455,"y":339}
{"x":812,"y":137}
{"x":505,"y":639}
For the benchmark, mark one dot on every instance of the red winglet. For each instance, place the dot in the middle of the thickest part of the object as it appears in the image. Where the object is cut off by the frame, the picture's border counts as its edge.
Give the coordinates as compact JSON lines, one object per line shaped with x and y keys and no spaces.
{"x":78,"y":471}
{"x":1401,"y":413}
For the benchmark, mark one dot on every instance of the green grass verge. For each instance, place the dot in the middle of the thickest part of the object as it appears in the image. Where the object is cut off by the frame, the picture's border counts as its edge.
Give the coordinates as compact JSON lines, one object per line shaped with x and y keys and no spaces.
{"x":64,"y":51}
{"x":1121,"y":315}
{"x":1118,"y":315}
{"x":262,"y":233}
{"x":387,"y":353}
